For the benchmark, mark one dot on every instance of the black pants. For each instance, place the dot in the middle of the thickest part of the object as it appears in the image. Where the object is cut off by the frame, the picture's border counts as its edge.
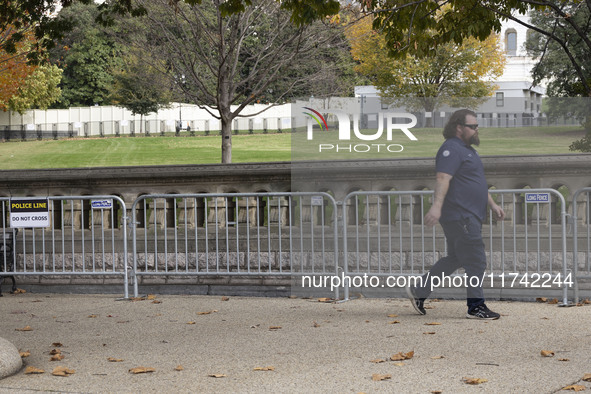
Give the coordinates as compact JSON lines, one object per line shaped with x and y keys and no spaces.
{"x":465,"y":249}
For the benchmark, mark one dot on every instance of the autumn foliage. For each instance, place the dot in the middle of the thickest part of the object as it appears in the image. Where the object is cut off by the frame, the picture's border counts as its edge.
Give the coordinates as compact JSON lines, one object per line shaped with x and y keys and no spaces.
{"x":14,"y":67}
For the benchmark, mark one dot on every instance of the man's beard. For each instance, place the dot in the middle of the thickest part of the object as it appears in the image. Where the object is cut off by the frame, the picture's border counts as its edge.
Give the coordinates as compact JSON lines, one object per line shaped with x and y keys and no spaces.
{"x":475,"y":140}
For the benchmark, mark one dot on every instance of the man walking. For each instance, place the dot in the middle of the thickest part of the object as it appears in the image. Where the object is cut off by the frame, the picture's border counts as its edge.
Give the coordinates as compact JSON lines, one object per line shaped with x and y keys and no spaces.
{"x":459,"y":205}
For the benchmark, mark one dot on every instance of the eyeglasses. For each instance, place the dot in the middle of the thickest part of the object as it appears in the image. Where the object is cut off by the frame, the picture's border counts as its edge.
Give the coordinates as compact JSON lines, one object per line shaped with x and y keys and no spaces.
{"x":472,"y":126}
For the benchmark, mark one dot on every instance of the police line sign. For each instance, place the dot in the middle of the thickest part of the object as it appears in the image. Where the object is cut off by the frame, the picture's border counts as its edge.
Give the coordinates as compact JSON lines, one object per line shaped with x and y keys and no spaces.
{"x":27,"y":213}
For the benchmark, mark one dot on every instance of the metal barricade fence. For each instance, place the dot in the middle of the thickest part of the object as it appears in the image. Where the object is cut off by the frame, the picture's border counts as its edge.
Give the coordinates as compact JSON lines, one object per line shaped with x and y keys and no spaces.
{"x":86,"y":235}
{"x":581,"y":220}
{"x":235,"y":234}
{"x":384,"y":236}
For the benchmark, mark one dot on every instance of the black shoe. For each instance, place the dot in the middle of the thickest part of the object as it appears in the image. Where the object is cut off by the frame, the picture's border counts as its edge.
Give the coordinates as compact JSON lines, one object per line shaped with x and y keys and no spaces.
{"x":417,"y":303}
{"x":483,"y":313}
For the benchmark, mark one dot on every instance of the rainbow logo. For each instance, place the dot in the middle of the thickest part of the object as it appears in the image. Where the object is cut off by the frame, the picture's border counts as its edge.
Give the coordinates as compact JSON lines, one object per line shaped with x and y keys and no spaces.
{"x":323,"y":125}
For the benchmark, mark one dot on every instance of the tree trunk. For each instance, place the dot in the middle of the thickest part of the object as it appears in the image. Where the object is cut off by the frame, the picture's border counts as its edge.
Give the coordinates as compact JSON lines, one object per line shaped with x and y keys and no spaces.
{"x":226,"y":139}
{"x":429,"y":107}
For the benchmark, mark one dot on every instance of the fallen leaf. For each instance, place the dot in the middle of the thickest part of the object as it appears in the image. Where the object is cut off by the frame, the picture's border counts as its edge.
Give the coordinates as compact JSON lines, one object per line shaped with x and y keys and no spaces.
{"x":275,"y":328}
{"x":191,"y":322}
{"x":92,"y":316}
{"x":25,"y":328}
{"x":62,"y":371}
{"x":376,"y":377}
{"x":225,"y":298}
{"x":33,"y":370}
{"x":315,"y":325}
{"x":547,"y":353}
{"x":55,"y":351}
{"x":437,"y":357}
{"x":433,"y":324}
{"x":264,"y":368}
{"x":553,"y":301}
{"x":541,"y":299}
{"x":563,"y":359}
{"x":151,"y":297}
{"x":57,"y":344}
{"x":393,"y":315}
{"x":325,"y":299}
{"x":138,"y":370}
{"x":587,"y":377}
{"x":25,"y":354}
{"x":402,"y":356}
{"x":474,"y":381}
{"x":574,"y":387}
{"x":399,"y":364}
{"x":429,"y":333}
{"x":436,"y":392}
{"x":216,"y":375}
{"x":114,"y":360}
{"x":156,"y":302}
{"x":378,"y":361}
{"x":586,"y":301}
{"x":207,"y":312}
{"x":19,"y":291}
{"x":394,"y":322}
{"x":179,"y":368}
{"x":57,"y":357}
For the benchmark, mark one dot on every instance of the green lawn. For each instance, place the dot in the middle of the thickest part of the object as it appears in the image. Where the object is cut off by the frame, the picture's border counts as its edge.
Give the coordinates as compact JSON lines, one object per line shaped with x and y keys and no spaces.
{"x":128,"y":151}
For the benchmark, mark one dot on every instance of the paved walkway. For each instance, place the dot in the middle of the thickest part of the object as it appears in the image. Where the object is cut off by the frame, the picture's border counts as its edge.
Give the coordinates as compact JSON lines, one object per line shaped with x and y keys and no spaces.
{"x":308,"y":346}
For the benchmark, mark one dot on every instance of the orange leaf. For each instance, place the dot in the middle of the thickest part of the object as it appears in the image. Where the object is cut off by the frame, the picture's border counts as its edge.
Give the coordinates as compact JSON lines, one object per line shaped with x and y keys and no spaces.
{"x":587,"y":377}
{"x":179,"y":368}
{"x":114,"y":360}
{"x":62,"y":371}
{"x":25,"y":354}
{"x":377,"y":377}
{"x":216,"y":375}
{"x":547,"y":353}
{"x":402,"y":356}
{"x":33,"y":370}
{"x":142,"y":370}
{"x":57,"y":357}
{"x":207,"y":313}
{"x":474,"y":381}
{"x":25,"y":328}
{"x":264,"y":368}
{"x":574,"y":387}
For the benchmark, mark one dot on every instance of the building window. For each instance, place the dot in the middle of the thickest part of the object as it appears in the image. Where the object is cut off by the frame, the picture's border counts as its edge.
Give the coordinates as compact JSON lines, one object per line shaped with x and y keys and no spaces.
{"x":511,"y":42}
{"x":500,"y":99}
